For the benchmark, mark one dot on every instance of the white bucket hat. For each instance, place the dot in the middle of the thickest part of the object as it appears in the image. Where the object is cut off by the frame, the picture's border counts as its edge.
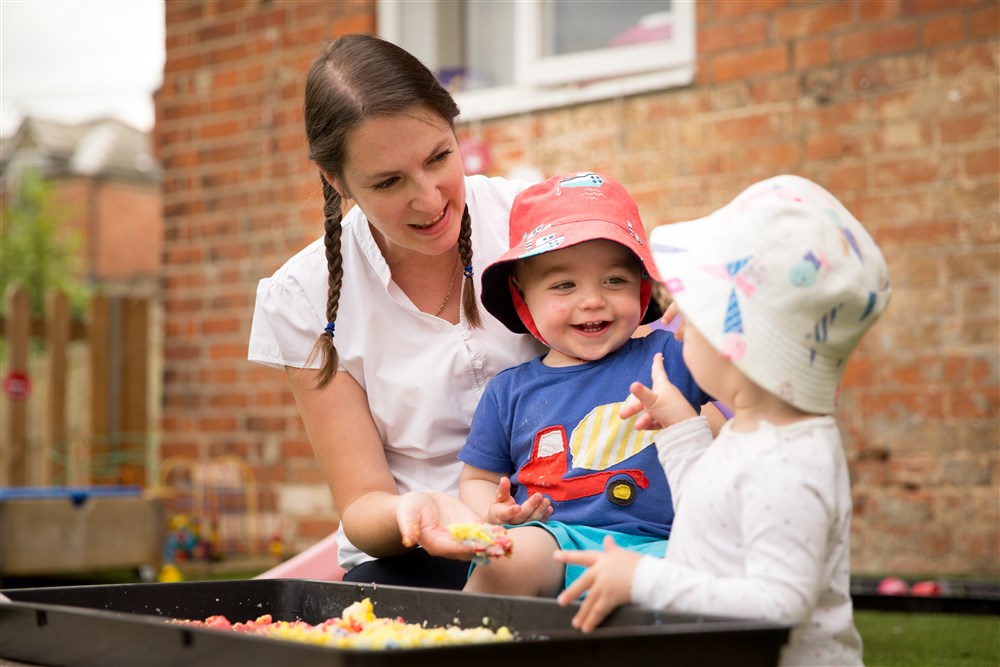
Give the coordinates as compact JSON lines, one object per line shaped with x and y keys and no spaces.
{"x":783,"y":281}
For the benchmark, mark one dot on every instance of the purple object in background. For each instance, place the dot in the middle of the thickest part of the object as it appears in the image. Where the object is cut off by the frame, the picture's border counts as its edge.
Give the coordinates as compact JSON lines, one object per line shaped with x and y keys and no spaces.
{"x":672,"y":328}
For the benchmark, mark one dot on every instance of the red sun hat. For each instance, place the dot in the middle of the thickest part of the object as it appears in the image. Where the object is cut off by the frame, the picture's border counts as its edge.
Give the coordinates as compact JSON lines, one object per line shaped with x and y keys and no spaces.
{"x":557,"y":213}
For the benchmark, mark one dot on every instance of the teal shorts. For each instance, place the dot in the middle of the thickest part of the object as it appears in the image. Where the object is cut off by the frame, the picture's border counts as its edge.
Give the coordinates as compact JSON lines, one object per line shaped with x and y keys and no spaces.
{"x":584,"y":538}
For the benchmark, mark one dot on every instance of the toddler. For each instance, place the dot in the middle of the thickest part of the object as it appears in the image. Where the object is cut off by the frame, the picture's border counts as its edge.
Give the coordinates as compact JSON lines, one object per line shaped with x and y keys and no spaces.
{"x":547,"y":451}
{"x":776,"y":290}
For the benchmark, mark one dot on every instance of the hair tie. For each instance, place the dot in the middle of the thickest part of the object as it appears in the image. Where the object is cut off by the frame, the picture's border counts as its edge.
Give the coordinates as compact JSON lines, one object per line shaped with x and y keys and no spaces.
{"x":467,"y":271}
{"x":329,"y":328}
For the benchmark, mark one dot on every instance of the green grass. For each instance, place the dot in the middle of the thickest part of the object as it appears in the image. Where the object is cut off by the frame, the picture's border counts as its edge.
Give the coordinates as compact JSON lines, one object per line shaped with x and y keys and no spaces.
{"x":900,"y":639}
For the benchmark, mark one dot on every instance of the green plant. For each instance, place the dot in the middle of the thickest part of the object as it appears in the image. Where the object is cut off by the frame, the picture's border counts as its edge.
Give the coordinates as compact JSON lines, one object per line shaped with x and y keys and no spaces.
{"x":36,"y":249}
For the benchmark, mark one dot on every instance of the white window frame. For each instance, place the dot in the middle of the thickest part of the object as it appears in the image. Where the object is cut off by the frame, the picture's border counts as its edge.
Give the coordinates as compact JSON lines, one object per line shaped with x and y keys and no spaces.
{"x":549,"y":82}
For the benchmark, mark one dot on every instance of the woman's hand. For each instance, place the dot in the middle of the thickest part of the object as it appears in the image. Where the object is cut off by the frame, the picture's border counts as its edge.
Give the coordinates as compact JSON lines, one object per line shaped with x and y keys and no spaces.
{"x":505,"y":510}
{"x":659,"y":407}
{"x":424,"y":518}
{"x":608,"y":577}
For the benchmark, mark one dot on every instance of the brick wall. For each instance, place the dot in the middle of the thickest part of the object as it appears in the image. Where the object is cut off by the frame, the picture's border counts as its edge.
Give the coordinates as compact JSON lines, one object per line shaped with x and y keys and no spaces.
{"x":891,"y":104}
{"x":119,"y":225}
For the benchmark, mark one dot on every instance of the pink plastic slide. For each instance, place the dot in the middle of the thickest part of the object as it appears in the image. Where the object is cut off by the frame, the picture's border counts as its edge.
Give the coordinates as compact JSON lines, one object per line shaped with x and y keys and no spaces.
{"x":320,"y":561}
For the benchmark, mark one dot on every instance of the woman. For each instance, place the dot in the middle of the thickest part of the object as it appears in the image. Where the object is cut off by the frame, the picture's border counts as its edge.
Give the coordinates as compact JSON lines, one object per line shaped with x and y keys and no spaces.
{"x":403,"y":354}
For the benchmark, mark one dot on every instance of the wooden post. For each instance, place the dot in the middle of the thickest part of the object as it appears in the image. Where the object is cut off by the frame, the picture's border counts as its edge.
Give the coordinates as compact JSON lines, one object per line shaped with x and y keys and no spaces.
{"x":54,"y":446}
{"x":15,"y":441}
{"x":135,"y":392}
{"x":98,"y":343}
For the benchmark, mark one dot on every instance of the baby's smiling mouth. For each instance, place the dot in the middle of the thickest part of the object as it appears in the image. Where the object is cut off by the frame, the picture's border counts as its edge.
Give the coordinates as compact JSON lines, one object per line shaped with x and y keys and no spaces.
{"x":592,"y":327}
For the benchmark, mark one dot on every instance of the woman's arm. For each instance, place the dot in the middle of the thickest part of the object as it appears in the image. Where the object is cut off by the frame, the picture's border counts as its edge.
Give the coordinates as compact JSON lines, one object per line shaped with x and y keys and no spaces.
{"x":349,"y":450}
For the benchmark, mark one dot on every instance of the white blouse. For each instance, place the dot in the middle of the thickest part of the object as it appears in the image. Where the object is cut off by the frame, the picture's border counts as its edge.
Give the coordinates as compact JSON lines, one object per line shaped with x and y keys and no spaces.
{"x":423,"y":375}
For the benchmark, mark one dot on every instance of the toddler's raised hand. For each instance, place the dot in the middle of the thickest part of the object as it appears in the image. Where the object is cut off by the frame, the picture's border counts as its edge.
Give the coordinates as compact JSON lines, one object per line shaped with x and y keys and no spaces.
{"x":660,"y":406}
{"x":506,"y":510}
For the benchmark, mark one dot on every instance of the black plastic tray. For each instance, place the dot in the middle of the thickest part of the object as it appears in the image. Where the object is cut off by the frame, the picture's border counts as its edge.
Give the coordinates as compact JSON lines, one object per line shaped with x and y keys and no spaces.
{"x":124,"y":625}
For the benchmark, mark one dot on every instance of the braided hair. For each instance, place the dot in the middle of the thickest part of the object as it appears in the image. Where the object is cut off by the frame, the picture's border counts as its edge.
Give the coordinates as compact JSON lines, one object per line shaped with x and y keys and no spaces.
{"x":357,"y":77}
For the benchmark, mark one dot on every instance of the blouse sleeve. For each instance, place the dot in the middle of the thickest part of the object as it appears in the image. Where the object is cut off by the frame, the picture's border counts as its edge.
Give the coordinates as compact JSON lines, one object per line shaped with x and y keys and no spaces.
{"x":285,"y":325}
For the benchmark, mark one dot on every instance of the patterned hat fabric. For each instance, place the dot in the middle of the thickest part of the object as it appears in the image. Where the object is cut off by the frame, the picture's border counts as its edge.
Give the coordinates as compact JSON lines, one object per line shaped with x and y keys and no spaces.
{"x":783,"y":281}
{"x":557,"y":213}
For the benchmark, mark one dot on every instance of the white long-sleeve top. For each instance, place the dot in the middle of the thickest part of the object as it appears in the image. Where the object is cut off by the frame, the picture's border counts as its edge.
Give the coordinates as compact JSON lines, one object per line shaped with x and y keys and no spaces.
{"x":761,"y":531}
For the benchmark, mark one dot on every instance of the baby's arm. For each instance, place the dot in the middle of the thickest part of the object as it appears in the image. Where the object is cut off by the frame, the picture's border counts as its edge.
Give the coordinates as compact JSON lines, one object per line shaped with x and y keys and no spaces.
{"x":488,"y":494}
{"x":784,"y":524}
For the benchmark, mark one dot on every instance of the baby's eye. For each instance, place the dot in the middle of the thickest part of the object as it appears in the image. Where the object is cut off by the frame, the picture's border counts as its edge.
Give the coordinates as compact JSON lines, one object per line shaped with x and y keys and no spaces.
{"x":565,"y":285}
{"x":617,"y":280}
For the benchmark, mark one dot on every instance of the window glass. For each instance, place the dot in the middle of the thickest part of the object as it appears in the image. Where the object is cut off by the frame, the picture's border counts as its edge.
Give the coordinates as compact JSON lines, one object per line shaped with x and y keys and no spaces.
{"x":510,"y":56}
{"x":571,"y":26}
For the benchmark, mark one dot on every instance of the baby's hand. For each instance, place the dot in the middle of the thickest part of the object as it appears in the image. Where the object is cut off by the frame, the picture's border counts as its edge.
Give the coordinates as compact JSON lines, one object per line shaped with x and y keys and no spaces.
{"x":659,"y":407}
{"x":505,"y":510}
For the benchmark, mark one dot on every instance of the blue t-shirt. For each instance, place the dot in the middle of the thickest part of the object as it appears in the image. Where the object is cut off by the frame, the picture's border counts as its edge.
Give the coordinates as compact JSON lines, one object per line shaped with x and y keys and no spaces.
{"x":557,"y":431}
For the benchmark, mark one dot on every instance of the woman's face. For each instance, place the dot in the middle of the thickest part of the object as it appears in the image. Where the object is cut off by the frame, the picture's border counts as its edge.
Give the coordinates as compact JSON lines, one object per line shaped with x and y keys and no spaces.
{"x":584,"y":299}
{"x":406,"y":174}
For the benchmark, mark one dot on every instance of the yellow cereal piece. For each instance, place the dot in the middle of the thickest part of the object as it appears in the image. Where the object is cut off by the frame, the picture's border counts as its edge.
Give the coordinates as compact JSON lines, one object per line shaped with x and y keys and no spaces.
{"x":470,"y":531}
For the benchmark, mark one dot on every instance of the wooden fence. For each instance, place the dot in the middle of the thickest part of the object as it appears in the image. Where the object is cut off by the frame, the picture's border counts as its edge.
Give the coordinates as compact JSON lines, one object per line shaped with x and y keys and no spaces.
{"x":109,"y":447}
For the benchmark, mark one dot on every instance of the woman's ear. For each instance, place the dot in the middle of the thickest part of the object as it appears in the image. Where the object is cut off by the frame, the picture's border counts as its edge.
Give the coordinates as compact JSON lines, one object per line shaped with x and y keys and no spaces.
{"x":335,"y":183}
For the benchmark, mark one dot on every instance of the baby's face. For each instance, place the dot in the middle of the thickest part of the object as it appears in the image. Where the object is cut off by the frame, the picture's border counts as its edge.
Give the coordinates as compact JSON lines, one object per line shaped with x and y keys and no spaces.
{"x":584,"y":299}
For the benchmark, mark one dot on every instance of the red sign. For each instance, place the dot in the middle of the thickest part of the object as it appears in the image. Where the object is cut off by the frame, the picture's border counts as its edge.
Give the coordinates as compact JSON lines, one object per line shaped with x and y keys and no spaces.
{"x":17,"y":385}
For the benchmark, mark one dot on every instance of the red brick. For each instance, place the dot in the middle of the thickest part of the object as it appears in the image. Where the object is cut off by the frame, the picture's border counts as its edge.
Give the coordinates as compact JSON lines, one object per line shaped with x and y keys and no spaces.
{"x":944,"y":30}
{"x":725,"y":10}
{"x":357,"y":23}
{"x":916,"y":7}
{"x":967,"y":128}
{"x":906,"y":172}
{"x":746,"y":128}
{"x":229,"y":400}
{"x":982,"y":162}
{"x":978,"y":403}
{"x":750,"y":64}
{"x":845,"y":177}
{"x":879,"y":10}
{"x":892,"y":39}
{"x":985,"y":22}
{"x":802,"y":20}
{"x":812,"y":52}
{"x":858,"y":373}
{"x":217,"y":325}
{"x":726,"y":36}
{"x":828,"y":146}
